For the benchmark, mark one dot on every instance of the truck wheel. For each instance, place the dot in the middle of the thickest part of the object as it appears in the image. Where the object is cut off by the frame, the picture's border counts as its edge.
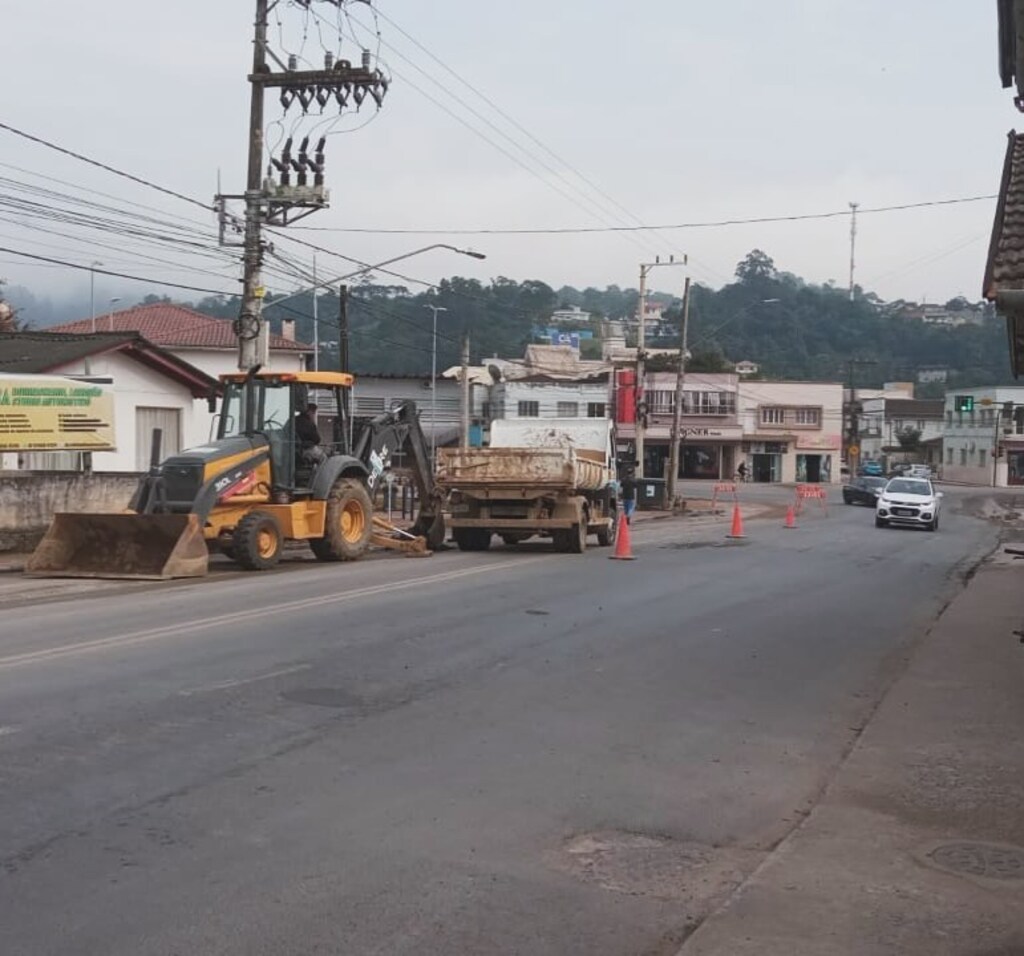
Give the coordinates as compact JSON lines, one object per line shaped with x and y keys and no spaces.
{"x":578,"y":538}
{"x":258,"y":541}
{"x":348,"y":522}
{"x":472,"y":539}
{"x":606,"y":536}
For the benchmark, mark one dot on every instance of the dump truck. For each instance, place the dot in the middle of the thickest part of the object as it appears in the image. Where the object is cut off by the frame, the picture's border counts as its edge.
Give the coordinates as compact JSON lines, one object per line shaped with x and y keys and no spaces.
{"x":252,"y":488}
{"x":538,"y":478}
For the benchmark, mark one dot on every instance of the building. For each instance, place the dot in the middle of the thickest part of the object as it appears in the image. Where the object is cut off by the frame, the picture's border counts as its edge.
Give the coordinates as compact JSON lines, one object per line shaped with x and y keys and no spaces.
{"x":792,"y":431}
{"x":746,"y":367}
{"x":552,"y":381}
{"x":983,"y":444}
{"x":573,"y":316}
{"x":153,"y":388}
{"x":709,"y":425}
{"x":206,"y":343}
{"x":881,"y":421}
{"x":439,"y":415}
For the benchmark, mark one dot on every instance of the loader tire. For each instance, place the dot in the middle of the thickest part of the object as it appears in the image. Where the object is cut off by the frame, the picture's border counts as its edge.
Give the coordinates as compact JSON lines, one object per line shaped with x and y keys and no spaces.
{"x":472,"y":539}
{"x":348,"y":523}
{"x":258,"y":541}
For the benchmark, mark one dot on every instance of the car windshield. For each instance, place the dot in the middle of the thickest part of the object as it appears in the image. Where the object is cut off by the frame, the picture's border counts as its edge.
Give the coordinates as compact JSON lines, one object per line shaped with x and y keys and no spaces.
{"x":907,"y":486}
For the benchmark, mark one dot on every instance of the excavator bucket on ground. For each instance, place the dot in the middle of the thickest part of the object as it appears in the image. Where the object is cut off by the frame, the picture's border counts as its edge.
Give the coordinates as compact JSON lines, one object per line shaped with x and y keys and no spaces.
{"x":145,"y":547}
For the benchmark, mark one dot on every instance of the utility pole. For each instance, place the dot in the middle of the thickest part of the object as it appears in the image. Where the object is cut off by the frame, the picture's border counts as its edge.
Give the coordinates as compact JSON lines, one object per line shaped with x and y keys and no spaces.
{"x":433,"y":382}
{"x":343,"y":365}
{"x":853,"y":242}
{"x":853,"y":435}
{"x":677,"y":411}
{"x":464,"y":404}
{"x":641,"y":412}
{"x":280,"y":202}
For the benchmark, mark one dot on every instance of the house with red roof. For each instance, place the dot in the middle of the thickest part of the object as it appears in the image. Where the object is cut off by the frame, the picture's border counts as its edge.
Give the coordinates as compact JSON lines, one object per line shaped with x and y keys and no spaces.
{"x":207,"y":343}
{"x":153,"y":388}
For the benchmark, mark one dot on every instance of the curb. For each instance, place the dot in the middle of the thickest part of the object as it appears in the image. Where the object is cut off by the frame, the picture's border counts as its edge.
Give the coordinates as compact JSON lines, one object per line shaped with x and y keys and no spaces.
{"x":12,"y":568}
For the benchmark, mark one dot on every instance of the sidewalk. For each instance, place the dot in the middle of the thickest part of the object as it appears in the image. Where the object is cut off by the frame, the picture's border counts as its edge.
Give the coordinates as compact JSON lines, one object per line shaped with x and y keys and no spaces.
{"x":917,"y":846}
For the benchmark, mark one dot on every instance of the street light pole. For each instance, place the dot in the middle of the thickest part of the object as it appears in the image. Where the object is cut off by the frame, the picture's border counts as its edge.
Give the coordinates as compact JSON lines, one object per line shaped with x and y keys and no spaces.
{"x":645,"y":268}
{"x":92,"y":291}
{"x":677,"y":411}
{"x":433,"y":384}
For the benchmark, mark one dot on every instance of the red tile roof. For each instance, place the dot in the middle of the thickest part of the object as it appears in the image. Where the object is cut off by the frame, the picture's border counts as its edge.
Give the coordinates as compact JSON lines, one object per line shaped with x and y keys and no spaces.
{"x":173,"y":326}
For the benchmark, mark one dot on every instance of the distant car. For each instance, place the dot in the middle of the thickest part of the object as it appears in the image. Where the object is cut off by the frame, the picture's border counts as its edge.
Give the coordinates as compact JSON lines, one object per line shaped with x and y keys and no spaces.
{"x":909,"y":501}
{"x":863,"y":491}
{"x":919,"y":471}
{"x":872,"y":469}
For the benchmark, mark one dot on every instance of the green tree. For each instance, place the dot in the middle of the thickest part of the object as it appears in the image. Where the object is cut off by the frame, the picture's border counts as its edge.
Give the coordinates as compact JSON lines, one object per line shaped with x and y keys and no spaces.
{"x":756,"y":265}
{"x":909,"y":438}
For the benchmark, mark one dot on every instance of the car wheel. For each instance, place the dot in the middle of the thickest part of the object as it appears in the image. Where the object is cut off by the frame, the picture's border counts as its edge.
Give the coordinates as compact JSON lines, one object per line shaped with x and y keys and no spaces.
{"x":847,"y":500}
{"x":881,"y":522}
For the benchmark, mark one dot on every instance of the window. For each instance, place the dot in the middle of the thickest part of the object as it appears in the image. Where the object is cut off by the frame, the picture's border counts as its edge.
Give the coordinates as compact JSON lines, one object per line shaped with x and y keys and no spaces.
{"x":808,"y":416}
{"x":662,"y":401}
{"x":529,"y":409}
{"x":596,"y":410}
{"x":168,"y":420}
{"x":568,"y":410}
{"x":963,"y":456}
{"x":981,"y":457}
{"x":773,"y":415}
{"x":949,"y":456}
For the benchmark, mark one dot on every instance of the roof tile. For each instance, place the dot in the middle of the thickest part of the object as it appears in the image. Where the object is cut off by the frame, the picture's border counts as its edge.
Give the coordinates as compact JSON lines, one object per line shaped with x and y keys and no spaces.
{"x":173,"y":326}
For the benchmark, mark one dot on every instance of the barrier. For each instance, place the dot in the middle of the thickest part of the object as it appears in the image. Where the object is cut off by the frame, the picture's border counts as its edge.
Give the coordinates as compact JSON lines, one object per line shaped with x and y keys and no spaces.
{"x":811,"y":493}
{"x":723,"y":488}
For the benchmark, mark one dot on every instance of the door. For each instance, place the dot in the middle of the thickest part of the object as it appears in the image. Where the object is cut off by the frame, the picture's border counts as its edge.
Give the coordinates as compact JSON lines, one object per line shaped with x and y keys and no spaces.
{"x":149,"y":418}
{"x":765,"y":468}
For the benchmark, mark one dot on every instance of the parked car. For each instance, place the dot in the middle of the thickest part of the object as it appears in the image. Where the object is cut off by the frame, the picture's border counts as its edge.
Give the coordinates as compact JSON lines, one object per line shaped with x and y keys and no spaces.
{"x":909,"y":501}
{"x":863,"y":491}
{"x":920,"y":471}
{"x":872,"y":469}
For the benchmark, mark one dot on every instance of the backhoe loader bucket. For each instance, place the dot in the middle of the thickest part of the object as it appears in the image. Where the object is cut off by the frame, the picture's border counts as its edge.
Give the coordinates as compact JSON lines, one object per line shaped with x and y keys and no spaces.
{"x":134,"y":546}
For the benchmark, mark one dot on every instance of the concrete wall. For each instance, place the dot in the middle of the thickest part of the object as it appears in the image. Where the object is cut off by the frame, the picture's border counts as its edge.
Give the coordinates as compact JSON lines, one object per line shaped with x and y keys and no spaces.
{"x":29,"y":500}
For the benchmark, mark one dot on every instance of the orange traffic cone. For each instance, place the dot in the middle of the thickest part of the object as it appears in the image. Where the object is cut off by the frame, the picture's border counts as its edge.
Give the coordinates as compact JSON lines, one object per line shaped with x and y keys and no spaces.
{"x":790,"y":519}
{"x":623,"y":547}
{"x":737,"y":524}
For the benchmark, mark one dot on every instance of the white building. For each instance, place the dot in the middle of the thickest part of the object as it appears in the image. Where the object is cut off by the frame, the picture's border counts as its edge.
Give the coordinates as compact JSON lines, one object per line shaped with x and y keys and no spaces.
{"x":208,"y":344}
{"x":746,"y":367}
{"x":883,"y":419}
{"x":573,"y":316}
{"x":792,"y":431}
{"x":152,"y":389}
{"x":985,"y":445}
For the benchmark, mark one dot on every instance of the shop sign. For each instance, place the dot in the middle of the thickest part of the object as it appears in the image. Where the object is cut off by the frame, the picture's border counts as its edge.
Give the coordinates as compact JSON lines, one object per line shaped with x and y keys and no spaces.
{"x":50,"y":413}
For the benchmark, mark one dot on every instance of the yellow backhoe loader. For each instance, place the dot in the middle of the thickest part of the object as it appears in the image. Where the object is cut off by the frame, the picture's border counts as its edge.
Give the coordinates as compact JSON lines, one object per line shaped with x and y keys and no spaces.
{"x":254,"y":487}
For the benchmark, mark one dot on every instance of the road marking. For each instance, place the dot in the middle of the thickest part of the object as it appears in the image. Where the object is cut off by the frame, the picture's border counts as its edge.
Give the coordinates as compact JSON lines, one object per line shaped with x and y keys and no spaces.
{"x":240,"y":681}
{"x":237,"y":617}
{"x":8,"y":731}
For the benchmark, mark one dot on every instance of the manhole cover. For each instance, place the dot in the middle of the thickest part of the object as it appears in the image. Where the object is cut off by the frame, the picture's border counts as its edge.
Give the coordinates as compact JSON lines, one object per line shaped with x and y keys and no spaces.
{"x":981,"y":859}
{"x":323,"y":697}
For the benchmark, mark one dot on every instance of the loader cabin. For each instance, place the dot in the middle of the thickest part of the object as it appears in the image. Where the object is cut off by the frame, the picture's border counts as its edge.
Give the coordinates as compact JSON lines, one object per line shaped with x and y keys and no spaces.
{"x":268,"y":404}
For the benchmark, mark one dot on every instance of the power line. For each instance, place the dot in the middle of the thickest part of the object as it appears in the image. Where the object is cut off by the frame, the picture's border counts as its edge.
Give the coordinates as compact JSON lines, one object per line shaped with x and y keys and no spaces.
{"x":105,"y":167}
{"x":700,"y":224}
{"x":117,"y":275}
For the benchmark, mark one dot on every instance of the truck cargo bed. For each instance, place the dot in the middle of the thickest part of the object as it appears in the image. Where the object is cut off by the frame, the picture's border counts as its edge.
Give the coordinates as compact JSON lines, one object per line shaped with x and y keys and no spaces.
{"x":540,"y":469}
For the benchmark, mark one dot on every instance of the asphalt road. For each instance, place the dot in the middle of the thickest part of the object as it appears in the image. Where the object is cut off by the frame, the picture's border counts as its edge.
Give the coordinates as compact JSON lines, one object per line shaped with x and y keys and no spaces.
{"x":516,"y":752}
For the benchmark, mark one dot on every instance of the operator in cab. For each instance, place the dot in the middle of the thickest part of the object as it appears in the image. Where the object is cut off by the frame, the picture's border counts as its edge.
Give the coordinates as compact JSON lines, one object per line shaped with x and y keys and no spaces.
{"x":308,"y":435}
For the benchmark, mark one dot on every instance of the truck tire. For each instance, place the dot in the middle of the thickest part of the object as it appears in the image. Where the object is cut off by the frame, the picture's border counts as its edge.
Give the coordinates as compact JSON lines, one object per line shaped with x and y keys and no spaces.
{"x":606,"y":536}
{"x":258,"y":541}
{"x":578,"y":538}
{"x":348,"y":523}
{"x":472,"y":539}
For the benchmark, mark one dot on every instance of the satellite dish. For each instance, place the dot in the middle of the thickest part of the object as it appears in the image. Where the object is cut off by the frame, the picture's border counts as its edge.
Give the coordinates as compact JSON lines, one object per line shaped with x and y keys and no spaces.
{"x":495,"y":372}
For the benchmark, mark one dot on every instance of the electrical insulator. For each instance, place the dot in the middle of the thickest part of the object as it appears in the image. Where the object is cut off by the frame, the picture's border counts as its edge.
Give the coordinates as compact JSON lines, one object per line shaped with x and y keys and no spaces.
{"x":293,"y":62}
{"x":328,"y":60}
{"x":366,"y":59}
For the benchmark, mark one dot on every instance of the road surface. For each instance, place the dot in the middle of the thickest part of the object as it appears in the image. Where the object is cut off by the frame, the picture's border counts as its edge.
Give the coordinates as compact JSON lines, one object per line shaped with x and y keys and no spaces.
{"x":513,"y":752}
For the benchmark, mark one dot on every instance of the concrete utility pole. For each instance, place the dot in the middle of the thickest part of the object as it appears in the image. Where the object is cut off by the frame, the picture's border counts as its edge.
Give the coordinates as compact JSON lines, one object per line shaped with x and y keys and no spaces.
{"x":641,"y":413}
{"x":853,"y":242}
{"x":316,"y":321}
{"x":853,"y":436}
{"x":282,"y":202}
{"x":464,"y":404}
{"x":677,"y":411}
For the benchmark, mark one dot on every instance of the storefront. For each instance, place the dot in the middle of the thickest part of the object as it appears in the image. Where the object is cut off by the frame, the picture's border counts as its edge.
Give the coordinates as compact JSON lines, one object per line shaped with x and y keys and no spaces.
{"x":765,"y":460}
{"x":705,"y":453}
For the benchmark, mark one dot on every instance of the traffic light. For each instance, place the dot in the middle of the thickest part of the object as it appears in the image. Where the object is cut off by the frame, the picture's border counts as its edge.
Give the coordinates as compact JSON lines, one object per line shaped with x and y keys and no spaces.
{"x":964,"y":403}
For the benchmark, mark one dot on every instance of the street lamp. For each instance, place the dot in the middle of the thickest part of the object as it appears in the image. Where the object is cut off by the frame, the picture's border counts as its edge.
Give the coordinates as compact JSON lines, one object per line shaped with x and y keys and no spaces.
{"x":378,"y":265}
{"x":433,"y":383}
{"x":92,"y":291}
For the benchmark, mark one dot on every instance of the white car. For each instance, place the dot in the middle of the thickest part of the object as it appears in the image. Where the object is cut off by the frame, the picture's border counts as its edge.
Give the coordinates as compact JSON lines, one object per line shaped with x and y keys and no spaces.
{"x":909,"y":501}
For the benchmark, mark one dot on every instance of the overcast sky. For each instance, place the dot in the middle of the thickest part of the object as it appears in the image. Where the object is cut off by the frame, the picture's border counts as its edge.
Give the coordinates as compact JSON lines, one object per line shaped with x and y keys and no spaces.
{"x":680,"y":111}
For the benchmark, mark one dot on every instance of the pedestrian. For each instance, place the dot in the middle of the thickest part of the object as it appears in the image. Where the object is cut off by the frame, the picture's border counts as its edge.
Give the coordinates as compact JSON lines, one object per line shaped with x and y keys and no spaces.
{"x":742,"y":471}
{"x":629,"y":493}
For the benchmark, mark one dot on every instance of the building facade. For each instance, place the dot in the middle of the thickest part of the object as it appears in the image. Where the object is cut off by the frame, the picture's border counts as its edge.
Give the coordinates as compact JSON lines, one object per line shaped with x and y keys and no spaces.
{"x":883,"y":420}
{"x":984,"y":445}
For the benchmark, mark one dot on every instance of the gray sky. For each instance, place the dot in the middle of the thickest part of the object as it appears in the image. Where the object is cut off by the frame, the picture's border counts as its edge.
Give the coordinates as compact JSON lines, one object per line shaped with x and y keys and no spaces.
{"x":679,"y":110}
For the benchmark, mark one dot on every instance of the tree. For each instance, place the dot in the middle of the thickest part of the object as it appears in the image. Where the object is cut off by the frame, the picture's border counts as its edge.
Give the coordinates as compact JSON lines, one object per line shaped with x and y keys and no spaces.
{"x":756,"y":265}
{"x":909,"y":438}
{"x":9,"y":321}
